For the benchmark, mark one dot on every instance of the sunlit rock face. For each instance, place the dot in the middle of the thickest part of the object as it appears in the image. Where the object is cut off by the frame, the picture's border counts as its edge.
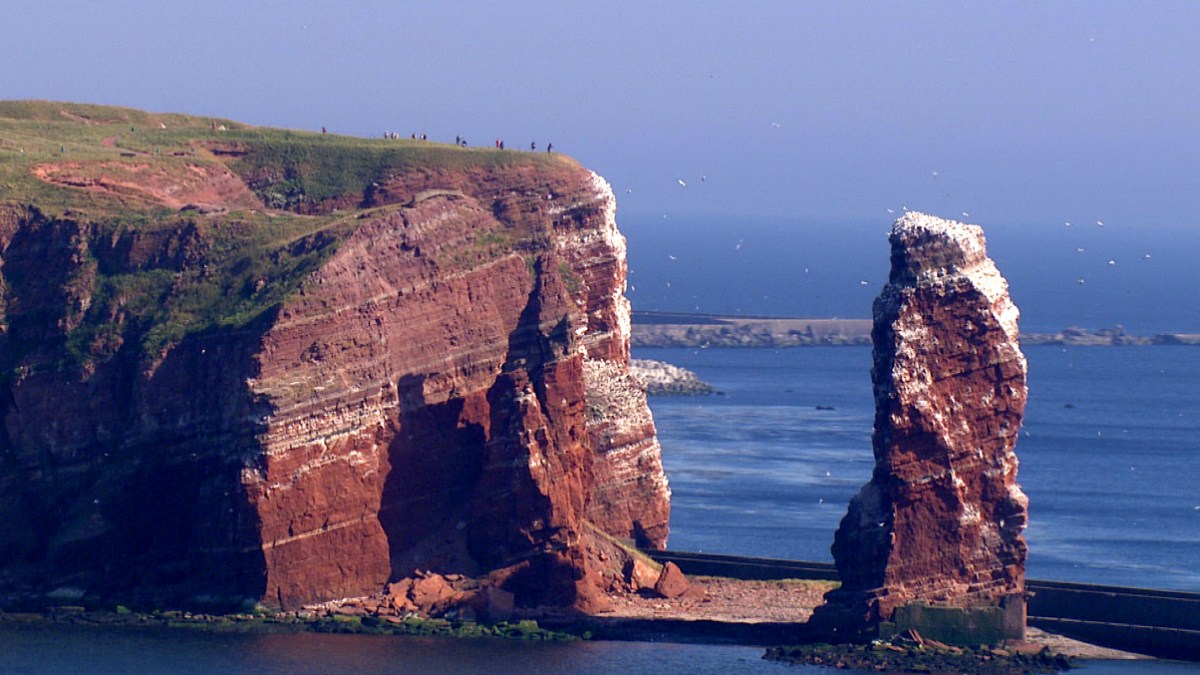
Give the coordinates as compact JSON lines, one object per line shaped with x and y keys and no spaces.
{"x":448,"y":390}
{"x":941,"y":518}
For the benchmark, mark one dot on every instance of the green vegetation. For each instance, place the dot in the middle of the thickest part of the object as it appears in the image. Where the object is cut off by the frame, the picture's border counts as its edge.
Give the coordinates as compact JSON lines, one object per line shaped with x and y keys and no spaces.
{"x":107,"y":175}
{"x":290,"y":622}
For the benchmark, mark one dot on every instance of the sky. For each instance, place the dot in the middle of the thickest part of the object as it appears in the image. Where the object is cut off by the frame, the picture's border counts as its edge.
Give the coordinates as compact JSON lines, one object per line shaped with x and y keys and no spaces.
{"x":1014,"y":112}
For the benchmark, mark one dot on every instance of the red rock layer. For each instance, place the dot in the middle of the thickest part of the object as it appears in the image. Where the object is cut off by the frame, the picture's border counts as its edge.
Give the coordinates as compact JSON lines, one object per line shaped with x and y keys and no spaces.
{"x":424,"y":401}
{"x":941,"y":518}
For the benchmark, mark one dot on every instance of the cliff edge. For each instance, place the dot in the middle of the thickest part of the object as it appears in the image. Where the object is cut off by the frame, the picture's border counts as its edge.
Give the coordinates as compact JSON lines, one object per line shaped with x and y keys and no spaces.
{"x":258,"y":365}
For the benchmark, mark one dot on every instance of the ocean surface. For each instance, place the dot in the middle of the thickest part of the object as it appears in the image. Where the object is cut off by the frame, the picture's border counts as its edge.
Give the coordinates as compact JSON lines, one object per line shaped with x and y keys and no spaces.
{"x":1109,"y":457}
{"x":1085,"y":274}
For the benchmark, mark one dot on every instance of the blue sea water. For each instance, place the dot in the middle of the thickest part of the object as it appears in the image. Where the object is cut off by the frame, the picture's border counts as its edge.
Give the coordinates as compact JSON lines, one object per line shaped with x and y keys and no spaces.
{"x":1109,"y":457}
{"x":1143,"y":278}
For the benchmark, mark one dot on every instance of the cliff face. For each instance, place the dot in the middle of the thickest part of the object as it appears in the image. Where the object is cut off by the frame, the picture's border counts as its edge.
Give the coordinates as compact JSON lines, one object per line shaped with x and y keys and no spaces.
{"x":428,"y":372}
{"x":941,"y":519}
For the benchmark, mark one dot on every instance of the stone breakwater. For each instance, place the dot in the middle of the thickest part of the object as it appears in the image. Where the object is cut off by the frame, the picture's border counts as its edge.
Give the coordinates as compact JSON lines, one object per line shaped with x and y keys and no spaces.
{"x":699,"y":331}
{"x":663,"y":379}
{"x":703,"y":331}
{"x":940,"y":521}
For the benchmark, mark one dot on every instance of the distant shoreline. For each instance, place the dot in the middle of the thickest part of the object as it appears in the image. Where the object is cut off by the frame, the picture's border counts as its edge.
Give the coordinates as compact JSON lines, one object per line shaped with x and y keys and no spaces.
{"x":700,"y":331}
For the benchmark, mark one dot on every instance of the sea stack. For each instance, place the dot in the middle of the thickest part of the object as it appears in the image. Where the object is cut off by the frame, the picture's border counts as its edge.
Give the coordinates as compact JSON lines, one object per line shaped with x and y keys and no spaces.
{"x":934,"y":538}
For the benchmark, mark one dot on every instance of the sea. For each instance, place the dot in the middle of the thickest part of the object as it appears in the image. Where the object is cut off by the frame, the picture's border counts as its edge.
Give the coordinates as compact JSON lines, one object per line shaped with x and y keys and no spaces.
{"x":1109,"y":450}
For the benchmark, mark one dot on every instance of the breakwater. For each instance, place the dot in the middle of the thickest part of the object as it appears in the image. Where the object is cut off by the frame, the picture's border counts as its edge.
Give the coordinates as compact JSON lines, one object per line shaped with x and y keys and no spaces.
{"x":1160,"y":623}
{"x":701,"y":331}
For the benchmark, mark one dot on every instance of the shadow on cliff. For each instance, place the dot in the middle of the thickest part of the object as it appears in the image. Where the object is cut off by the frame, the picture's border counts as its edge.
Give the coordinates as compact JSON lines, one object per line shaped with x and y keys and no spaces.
{"x":463,"y":492}
{"x":122,"y":480}
{"x":435,"y":460}
{"x":182,"y":513}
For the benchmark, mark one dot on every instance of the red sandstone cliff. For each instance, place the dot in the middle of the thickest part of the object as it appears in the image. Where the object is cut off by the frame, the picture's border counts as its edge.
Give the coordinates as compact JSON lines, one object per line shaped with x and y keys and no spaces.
{"x":941,"y":519}
{"x":447,"y":389}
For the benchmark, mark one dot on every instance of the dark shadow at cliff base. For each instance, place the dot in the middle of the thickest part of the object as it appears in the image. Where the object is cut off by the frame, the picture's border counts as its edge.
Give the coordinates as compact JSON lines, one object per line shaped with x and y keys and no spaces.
{"x":135,"y":489}
{"x":434,"y":461}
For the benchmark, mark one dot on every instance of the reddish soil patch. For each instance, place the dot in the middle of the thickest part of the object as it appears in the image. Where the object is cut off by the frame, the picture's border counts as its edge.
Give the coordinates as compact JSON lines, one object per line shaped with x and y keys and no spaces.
{"x":205,"y":186}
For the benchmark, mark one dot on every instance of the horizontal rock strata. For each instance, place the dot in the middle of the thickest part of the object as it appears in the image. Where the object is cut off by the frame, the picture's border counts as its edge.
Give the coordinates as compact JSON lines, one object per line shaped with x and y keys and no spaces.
{"x":423,"y":396}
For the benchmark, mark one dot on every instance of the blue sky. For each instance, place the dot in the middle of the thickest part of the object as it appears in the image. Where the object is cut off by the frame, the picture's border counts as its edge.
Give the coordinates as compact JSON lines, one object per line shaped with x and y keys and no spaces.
{"x":1015,"y":112}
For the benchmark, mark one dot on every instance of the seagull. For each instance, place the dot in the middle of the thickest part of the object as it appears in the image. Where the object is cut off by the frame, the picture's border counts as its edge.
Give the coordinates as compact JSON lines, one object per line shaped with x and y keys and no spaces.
{"x":862,"y":283}
{"x":1100,"y":223}
{"x":1068,"y":223}
{"x":1146,"y":257}
{"x":1079,"y":250}
{"x":891,"y":210}
{"x":703,"y":178}
{"x":1080,"y":281}
{"x":966,"y":215}
{"x":776,"y":124}
{"x":681,"y":183}
{"x":671,"y":257}
{"x":933,"y":173}
{"x":1112,"y":262}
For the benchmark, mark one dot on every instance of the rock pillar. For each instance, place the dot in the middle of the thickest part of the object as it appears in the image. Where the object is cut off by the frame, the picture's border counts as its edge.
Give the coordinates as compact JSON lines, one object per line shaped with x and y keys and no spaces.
{"x":940,"y":521}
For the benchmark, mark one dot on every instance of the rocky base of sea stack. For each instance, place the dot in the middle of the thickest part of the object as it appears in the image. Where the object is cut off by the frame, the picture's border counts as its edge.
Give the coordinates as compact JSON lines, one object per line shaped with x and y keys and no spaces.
{"x":913,"y":654}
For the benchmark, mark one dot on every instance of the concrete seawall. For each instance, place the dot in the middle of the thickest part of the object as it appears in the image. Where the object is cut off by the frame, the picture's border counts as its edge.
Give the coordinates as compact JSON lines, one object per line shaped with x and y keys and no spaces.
{"x":1158,"y":623}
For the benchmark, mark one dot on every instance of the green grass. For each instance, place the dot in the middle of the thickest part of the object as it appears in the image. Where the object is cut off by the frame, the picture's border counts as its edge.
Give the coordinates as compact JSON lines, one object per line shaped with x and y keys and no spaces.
{"x":248,"y":261}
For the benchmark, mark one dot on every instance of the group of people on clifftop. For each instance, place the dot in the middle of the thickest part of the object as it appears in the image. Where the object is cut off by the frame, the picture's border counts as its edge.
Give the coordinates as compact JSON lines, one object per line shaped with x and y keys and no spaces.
{"x":459,"y":140}
{"x":532,"y":146}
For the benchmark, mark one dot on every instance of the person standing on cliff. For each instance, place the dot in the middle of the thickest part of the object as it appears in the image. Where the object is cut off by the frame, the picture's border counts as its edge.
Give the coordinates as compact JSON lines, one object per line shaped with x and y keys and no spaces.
{"x":549,"y":148}
{"x":532,"y":146}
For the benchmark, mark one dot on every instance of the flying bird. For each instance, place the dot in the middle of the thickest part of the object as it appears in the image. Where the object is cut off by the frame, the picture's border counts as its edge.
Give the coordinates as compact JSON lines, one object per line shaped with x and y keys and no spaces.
{"x":681,"y":183}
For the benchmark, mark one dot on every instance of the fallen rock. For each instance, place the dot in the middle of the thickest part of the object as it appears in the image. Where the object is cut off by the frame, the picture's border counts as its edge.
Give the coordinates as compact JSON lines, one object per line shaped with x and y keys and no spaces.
{"x":639,"y":574}
{"x":672,"y":583}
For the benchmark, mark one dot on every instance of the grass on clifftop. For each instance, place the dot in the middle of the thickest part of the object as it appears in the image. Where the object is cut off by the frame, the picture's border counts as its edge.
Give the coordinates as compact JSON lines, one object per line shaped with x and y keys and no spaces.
{"x":302,"y":165}
{"x":120,"y":161}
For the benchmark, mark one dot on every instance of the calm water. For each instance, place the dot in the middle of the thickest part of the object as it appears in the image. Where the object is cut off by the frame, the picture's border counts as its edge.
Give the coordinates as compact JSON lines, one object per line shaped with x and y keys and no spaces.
{"x":78,"y":651}
{"x":816,"y":269}
{"x":1113,"y":480}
